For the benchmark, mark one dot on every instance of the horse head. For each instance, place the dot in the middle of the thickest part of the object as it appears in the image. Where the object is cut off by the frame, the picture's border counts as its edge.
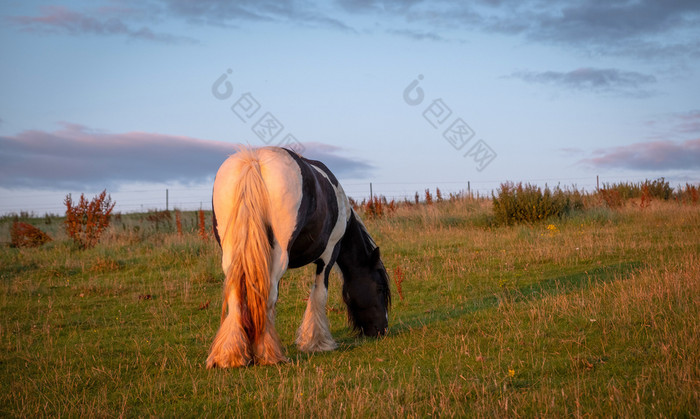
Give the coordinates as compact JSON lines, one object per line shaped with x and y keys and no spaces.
{"x":366,"y":294}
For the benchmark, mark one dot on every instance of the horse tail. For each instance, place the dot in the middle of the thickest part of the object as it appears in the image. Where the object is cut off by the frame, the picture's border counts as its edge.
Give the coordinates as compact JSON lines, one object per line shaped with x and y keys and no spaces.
{"x":248,"y":235}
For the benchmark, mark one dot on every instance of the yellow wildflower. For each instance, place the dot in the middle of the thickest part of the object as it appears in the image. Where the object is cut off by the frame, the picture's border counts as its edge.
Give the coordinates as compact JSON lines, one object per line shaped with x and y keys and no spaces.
{"x":552,"y":230}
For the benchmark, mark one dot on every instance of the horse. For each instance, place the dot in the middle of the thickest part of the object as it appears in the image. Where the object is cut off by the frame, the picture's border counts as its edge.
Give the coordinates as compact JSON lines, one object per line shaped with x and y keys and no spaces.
{"x":275,"y":210}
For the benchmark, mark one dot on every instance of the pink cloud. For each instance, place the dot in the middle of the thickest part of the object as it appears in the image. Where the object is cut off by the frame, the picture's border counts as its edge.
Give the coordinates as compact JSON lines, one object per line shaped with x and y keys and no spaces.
{"x":689,"y":122}
{"x":655,"y":155}
{"x":60,"y":19}
{"x":77,"y":156}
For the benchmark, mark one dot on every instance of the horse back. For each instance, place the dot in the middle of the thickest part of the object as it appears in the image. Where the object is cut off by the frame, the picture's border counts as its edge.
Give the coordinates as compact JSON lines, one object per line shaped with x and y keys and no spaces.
{"x":318,"y":212}
{"x":304,"y":203}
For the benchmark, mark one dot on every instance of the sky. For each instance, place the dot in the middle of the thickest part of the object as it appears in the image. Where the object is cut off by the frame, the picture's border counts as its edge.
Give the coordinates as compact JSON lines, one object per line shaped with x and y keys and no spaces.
{"x":140,"y":97}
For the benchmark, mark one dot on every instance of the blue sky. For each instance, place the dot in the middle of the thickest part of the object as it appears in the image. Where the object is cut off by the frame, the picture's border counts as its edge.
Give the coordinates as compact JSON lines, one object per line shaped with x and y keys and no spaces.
{"x":119,"y":94}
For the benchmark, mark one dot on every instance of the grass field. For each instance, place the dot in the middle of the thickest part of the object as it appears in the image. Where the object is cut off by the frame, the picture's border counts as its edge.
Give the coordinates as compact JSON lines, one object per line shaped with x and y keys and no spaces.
{"x":596,"y":314}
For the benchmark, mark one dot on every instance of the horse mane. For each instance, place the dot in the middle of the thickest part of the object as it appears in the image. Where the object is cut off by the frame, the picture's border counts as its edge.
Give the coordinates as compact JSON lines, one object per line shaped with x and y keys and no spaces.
{"x":367,"y":240}
{"x":369,"y":246}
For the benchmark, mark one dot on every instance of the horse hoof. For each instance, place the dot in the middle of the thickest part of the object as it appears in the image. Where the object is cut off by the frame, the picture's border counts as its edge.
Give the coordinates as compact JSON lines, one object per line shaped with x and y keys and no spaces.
{"x":275,"y":361}
{"x":227,"y":362}
{"x":321,"y":346}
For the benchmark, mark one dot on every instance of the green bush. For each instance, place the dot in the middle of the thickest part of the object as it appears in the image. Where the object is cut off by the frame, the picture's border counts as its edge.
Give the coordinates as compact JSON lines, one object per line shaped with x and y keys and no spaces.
{"x":658,"y":189}
{"x":529,"y":203}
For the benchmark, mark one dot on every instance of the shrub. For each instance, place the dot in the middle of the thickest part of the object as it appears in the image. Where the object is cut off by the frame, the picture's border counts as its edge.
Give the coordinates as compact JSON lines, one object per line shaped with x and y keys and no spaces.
{"x":178,"y":222}
{"x":428,"y":197}
{"x":646,"y":196}
{"x":202,"y":225}
{"x":26,"y":235}
{"x":391,"y":207}
{"x":621,"y":191}
{"x":158,"y":217}
{"x":86,"y":221}
{"x":688,"y":195}
{"x":529,"y":203}
{"x":658,"y":188}
{"x":611,"y":197}
{"x":374,"y":208}
{"x":616,"y":194}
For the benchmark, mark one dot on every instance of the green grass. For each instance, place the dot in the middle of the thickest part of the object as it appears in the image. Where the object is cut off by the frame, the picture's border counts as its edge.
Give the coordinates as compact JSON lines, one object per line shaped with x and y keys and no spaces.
{"x":595,"y":316}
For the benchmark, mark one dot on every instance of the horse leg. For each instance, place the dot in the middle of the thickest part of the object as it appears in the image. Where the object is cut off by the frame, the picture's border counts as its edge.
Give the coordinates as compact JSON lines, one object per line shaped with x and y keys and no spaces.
{"x":231,"y":347}
{"x":314,"y":334}
{"x":268,"y":349}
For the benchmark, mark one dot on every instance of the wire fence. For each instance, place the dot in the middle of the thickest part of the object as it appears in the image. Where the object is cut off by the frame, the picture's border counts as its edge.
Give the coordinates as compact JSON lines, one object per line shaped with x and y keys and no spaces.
{"x":186,"y":198}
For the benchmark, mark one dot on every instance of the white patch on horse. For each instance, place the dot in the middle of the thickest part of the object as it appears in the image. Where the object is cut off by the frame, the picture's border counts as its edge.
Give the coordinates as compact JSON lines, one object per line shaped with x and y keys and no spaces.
{"x":314,"y":334}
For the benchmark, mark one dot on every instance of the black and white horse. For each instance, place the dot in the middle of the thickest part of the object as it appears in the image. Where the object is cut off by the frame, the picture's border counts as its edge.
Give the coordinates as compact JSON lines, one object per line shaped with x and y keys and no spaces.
{"x":275,"y":210}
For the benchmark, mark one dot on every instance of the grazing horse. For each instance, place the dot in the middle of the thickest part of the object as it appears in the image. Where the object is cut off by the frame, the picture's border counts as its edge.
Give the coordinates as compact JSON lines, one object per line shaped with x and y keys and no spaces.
{"x":275,"y":210}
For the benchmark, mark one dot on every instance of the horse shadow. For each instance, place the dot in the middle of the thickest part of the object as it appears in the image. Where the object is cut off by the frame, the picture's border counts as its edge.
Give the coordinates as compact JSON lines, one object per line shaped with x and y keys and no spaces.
{"x":552,"y":286}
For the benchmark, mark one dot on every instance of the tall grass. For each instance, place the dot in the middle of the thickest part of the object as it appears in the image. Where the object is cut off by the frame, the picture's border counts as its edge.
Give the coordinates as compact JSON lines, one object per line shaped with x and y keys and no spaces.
{"x":597,"y":316}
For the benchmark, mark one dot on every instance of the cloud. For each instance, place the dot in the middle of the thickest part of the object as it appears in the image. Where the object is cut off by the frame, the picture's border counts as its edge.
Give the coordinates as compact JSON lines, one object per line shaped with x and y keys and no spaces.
{"x":223,"y":12}
{"x":417,"y":35}
{"x":655,"y":155}
{"x":570,"y":151}
{"x":339,"y":165}
{"x":62,"y":20}
{"x":78,"y":157}
{"x":674,"y":125}
{"x":641,"y":28}
{"x":595,"y":20}
{"x":390,"y":6}
{"x":617,"y":27}
{"x":688,"y":122}
{"x":120,"y":21}
{"x":596,"y":79}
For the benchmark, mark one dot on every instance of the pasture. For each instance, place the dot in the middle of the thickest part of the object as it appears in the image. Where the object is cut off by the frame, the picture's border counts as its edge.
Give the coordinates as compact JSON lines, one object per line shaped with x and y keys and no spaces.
{"x":595,"y":314}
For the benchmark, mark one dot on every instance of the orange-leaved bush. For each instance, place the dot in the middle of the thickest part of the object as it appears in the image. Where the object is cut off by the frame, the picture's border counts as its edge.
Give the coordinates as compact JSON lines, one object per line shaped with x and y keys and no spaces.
{"x":26,"y":235}
{"x":202,"y":225}
{"x":178,"y":222}
{"x":85,"y":221}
